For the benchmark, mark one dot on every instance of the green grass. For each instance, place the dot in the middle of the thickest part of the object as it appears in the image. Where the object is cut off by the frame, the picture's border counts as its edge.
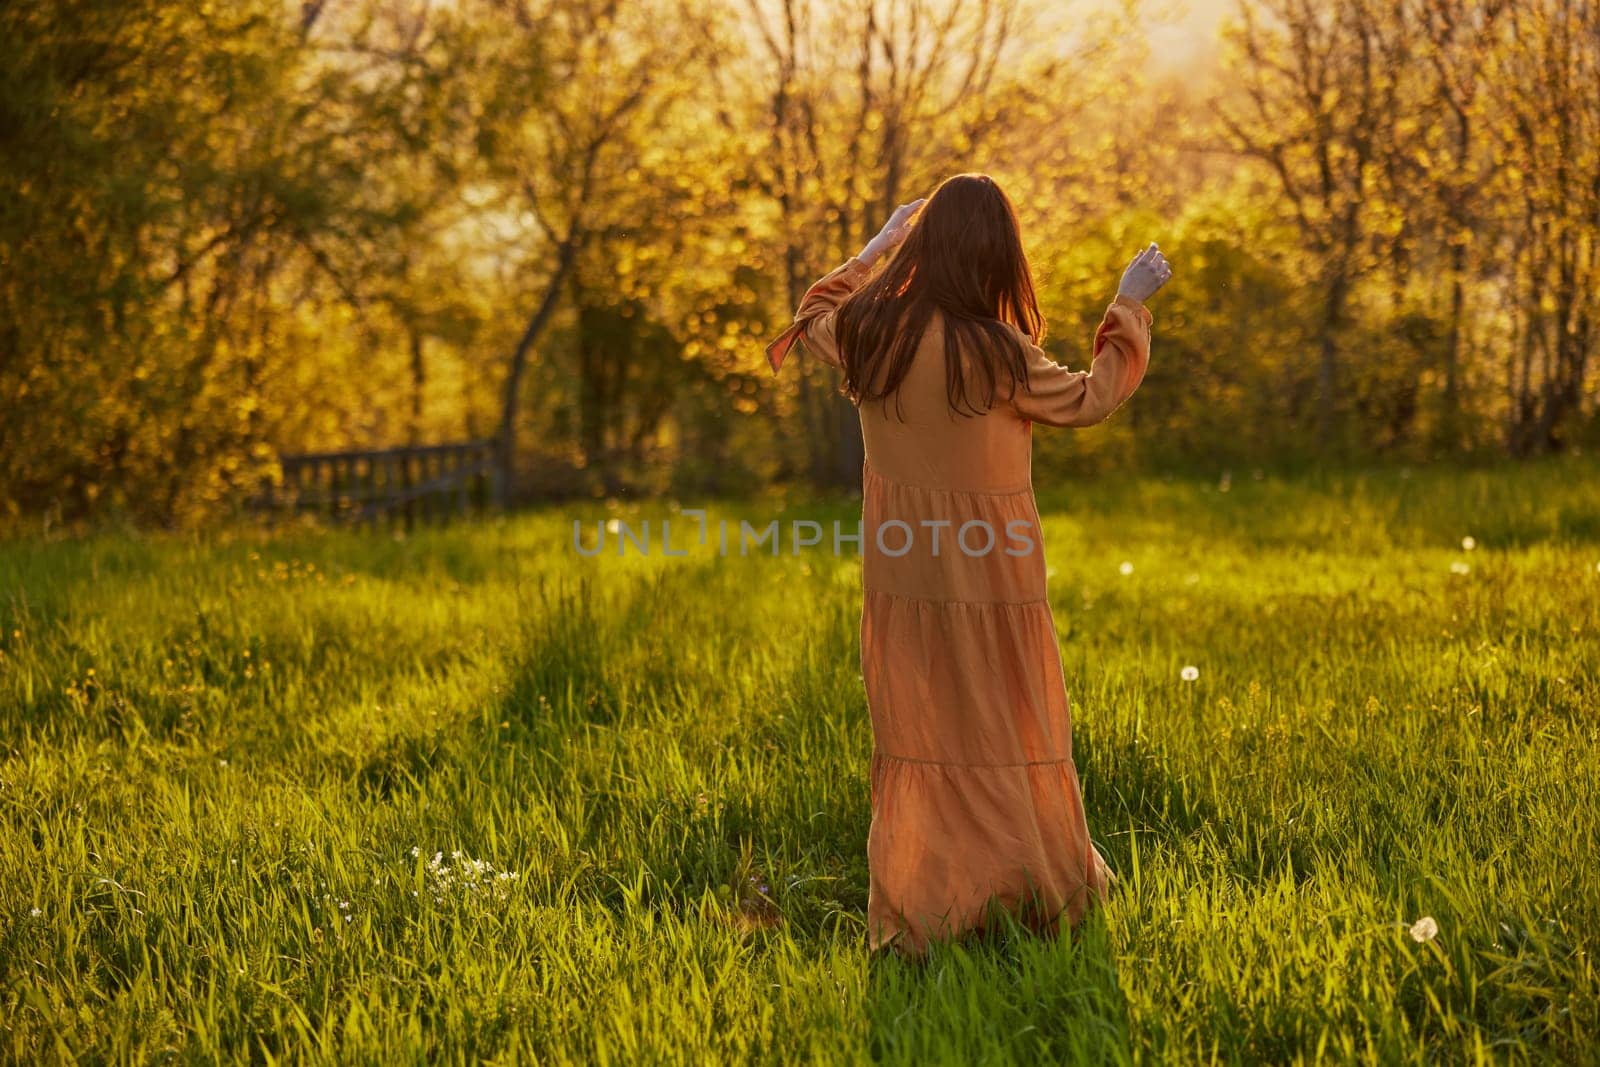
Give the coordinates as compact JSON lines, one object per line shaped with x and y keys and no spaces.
{"x":210,"y":744}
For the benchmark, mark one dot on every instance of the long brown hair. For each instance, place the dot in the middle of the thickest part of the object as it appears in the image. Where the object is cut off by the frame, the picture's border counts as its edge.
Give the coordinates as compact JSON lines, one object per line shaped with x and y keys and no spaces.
{"x":963,"y":256}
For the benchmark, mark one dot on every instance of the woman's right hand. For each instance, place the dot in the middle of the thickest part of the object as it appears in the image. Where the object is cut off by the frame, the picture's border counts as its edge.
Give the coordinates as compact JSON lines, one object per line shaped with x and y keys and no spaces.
{"x":894,"y":231}
{"x":1148,"y":272}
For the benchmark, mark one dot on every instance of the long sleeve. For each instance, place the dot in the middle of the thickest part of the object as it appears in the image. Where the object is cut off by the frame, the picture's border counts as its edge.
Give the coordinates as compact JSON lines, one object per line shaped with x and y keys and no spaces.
{"x":1057,"y":396}
{"x":813,"y":320}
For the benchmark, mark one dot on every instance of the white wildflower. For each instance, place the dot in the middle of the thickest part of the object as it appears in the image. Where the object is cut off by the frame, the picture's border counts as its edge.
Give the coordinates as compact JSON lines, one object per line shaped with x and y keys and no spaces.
{"x":35,"y":912}
{"x":1457,"y":567}
{"x":467,"y":876}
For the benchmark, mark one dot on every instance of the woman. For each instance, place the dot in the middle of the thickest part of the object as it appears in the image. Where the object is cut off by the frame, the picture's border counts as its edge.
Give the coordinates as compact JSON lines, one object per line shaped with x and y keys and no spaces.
{"x":975,"y":797}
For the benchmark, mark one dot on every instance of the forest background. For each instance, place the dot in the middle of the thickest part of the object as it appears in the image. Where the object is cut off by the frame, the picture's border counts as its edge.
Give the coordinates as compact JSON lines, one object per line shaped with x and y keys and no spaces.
{"x":234,"y":230}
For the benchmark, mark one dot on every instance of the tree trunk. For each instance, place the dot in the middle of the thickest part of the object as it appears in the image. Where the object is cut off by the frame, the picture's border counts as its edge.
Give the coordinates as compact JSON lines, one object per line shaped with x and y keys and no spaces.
{"x":1327,"y":364}
{"x":506,"y":438}
{"x":1452,"y":347}
{"x":601,"y":368}
{"x":849,"y":449}
{"x":419,"y":381}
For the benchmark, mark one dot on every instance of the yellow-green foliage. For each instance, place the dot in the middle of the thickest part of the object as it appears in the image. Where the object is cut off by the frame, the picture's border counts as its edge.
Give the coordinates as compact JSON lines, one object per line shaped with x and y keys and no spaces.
{"x":231,"y":231}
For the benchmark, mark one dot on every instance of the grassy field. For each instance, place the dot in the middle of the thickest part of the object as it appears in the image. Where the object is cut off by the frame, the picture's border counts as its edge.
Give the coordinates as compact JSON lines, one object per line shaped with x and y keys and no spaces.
{"x":465,"y":795}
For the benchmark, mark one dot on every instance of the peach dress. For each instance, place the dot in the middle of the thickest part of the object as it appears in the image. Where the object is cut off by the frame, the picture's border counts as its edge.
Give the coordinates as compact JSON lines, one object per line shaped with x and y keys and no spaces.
{"x":975,"y":797}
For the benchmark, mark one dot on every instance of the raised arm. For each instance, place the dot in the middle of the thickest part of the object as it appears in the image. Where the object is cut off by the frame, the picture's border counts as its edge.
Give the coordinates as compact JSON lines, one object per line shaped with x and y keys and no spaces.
{"x":813,"y":320}
{"x":1057,"y":396}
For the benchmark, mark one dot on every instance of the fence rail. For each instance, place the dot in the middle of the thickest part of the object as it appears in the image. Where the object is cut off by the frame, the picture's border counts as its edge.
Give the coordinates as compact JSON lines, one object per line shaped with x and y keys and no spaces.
{"x":368,"y":485}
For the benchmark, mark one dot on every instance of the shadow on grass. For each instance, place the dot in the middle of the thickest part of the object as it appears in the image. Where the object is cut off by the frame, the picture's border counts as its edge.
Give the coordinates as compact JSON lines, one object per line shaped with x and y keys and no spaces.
{"x":1006,"y":996}
{"x":1133,"y":789}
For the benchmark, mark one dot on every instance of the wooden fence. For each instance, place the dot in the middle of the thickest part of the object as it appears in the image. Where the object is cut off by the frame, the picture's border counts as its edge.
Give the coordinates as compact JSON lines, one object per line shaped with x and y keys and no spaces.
{"x":406,"y":484}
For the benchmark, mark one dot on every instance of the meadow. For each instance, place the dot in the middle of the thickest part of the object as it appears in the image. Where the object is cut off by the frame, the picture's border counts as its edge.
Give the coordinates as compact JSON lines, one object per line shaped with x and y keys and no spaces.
{"x":462,"y":795}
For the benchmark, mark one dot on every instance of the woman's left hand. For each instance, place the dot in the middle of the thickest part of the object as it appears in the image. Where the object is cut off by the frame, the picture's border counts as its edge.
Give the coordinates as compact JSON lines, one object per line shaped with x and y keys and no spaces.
{"x":894,"y":231}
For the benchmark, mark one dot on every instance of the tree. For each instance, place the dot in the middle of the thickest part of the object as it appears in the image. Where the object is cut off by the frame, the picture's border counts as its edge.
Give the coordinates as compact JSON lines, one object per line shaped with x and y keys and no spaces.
{"x":606,"y":76}
{"x":185,"y":189}
{"x":1319,"y":92}
{"x":1443,"y":170}
{"x":872,"y":102}
{"x":1549,"y":145}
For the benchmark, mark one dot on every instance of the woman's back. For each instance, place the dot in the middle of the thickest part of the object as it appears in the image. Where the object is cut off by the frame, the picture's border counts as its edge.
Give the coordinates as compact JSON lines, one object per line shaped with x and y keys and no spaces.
{"x":916,"y":438}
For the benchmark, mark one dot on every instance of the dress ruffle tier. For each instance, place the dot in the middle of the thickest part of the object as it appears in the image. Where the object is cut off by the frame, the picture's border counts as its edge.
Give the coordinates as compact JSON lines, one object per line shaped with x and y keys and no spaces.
{"x":975,"y":796}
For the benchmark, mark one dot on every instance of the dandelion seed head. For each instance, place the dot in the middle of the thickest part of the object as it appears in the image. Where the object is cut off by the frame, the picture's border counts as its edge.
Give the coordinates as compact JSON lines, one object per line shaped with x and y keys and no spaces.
{"x":1424,"y":929}
{"x":1189,"y":673}
{"x":1468,"y":543}
{"x":613,"y":525}
{"x":1457,"y":567}
{"x":1126,"y":568}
